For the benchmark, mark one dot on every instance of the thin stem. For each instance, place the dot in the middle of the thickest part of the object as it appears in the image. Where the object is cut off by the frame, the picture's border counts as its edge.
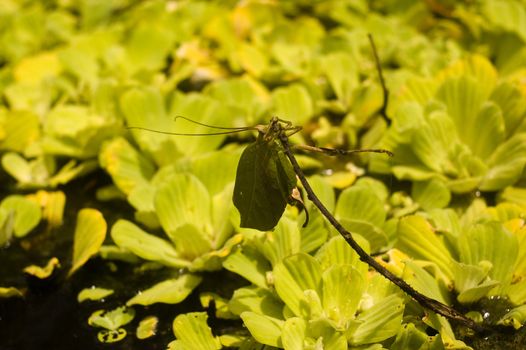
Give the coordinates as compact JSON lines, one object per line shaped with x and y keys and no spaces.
{"x":423,"y":300}
{"x":385,"y":91}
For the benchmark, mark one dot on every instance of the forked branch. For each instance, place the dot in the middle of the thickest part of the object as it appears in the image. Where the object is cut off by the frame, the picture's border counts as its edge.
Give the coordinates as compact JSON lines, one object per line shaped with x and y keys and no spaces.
{"x":424,"y":301}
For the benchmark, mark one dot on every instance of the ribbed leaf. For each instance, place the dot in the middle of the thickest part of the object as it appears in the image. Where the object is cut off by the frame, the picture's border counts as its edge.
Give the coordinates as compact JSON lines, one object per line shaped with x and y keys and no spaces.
{"x":294,"y":102}
{"x":293,"y":276}
{"x":205,"y":110}
{"x":343,"y":286}
{"x":476,"y":293}
{"x":508,"y":15}
{"x":373,"y":233}
{"x":340,"y":68}
{"x":127,"y":167}
{"x":224,"y":165}
{"x":90,"y":233}
{"x":193,"y":333}
{"x":93,"y":293}
{"x":464,"y":97}
{"x":469,"y":276}
{"x":362,"y":212}
{"x":478,"y":244}
{"x":27,"y":213}
{"x":433,"y":140}
{"x":16,"y":166}
{"x":506,"y":164}
{"x":148,"y":47}
{"x":258,"y":300}
{"x":21,"y":128}
{"x":249,"y":264}
{"x":360,"y":204}
{"x":112,"y":319}
{"x":430,"y":194}
{"x":129,"y":236}
{"x":337,"y":252}
{"x":171,"y":291}
{"x":511,"y":102}
{"x":180,"y":201}
{"x":422,"y":281}
{"x":378,"y":323}
{"x":285,"y":240}
{"x":266,"y":330}
{"x":245,"y":96}
{"x":417,"y":239}
{"x":490,"y":130}
{"x":315,"y":233}
{"x":516,"y":317}
{"x":145,"y":108}
{"x":410,"y":338}
{"x":190,"y":242}
{"x":294,"y":333}
{"x":147,"y":327}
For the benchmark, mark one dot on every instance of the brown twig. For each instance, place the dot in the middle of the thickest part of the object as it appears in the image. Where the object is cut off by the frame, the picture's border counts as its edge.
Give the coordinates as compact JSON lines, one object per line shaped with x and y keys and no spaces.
{"x":424,"y":301}
{"x":385,"y":91}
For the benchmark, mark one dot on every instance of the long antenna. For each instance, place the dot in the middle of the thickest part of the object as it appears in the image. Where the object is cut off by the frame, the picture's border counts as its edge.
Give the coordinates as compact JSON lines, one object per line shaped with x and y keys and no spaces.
{"x":341,"y":152}
{"x":232,"y":130}
{"x":241,"y":128}
{"x":187,"y":134}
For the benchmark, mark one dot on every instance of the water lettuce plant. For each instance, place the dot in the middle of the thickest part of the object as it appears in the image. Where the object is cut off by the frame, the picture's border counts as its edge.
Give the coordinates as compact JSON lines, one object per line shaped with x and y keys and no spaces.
{"x":75,"y":75}
{"x":464,"y":127}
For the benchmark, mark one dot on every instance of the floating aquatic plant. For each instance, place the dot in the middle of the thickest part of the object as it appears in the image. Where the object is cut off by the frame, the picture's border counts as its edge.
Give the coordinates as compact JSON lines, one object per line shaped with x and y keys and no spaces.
{"x":464,"y":128}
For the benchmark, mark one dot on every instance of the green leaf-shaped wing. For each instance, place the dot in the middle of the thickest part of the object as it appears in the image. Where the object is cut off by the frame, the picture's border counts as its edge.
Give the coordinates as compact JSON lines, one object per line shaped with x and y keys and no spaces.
{"x":264,"y":180}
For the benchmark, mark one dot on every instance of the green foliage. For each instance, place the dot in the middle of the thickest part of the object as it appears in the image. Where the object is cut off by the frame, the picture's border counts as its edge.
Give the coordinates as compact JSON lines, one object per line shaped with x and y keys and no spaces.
{"x":43,"y":272}
{"x":192,"y":332}
{"x":461,"y":132}
{"x":170,"y":291}
{"x":26,"y":215}
{"x":75,"y":75}
{"x":90,"y":233}
{"x":112,"y":322}
{"x":147,"y":327}
{"x":93,"y":294}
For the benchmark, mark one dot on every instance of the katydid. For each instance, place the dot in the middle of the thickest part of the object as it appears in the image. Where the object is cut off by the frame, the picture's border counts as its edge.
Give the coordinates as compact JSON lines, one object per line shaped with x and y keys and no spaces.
{"x":265,"y":178}
{"x":265,"y":182}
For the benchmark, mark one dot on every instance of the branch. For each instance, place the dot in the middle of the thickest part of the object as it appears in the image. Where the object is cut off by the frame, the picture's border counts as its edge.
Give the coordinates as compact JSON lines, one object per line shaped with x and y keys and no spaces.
{"x":383,"y":109}
{"x":424,"y":301}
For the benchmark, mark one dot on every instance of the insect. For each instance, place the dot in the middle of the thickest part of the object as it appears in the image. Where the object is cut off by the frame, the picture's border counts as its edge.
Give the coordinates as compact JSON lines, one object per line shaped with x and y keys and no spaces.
{"x":265,"y":178}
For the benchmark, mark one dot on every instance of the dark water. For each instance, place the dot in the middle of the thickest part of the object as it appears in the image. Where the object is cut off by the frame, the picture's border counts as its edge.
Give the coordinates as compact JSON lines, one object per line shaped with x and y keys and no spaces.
{"x":49,"y":316}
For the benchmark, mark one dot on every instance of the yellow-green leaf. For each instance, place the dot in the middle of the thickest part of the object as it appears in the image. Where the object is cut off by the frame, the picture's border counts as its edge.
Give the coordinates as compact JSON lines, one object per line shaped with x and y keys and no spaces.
{"x":193,"y":333}
{"x":93,"y":293}
{"x":171,"y":291}
{"x":147,"y":327}
{"x":43,"y":272}
{"x":89,"y":236}
{"x":9,"y":292}
{"x":27,"y":213}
